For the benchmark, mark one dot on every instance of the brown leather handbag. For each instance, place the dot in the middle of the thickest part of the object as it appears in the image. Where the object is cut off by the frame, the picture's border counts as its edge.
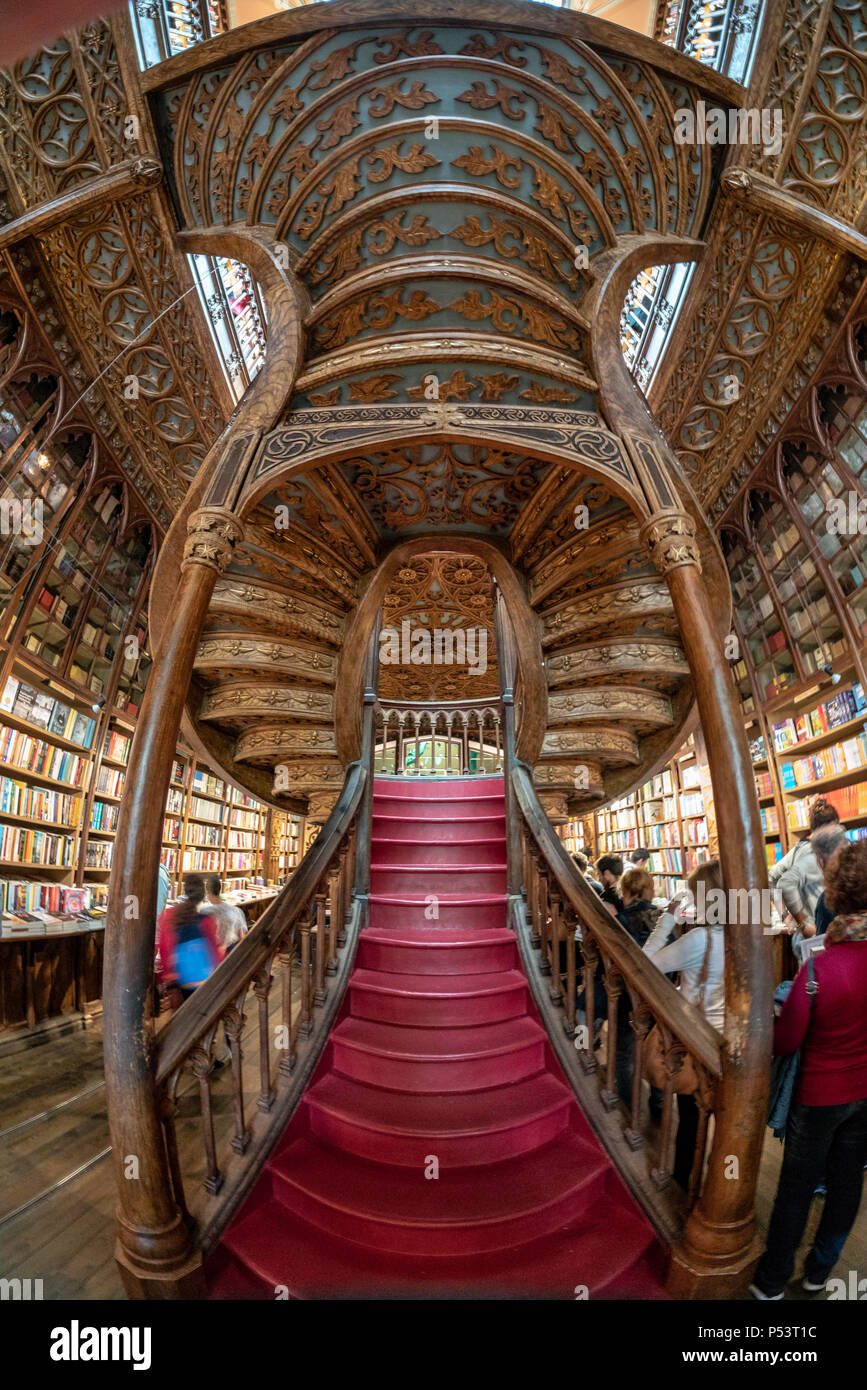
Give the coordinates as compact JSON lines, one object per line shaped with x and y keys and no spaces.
{"x":686,"y":1080}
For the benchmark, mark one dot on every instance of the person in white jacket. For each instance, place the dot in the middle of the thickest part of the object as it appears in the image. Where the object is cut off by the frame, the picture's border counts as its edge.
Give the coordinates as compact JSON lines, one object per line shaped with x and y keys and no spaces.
{"x":698,"y":955}
{"x":798,"y":875}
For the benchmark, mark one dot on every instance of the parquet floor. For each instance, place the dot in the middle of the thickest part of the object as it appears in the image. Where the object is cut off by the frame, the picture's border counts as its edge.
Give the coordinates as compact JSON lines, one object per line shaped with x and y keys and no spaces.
{"x":56,"y":1171}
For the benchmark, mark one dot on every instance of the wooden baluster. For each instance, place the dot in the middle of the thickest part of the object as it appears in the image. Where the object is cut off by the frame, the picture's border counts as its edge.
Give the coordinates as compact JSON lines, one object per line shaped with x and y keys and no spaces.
{"x":465,"y":736}
{"x":571,"y":974}
{"x":233,"y":1021}
{"x":542,"y":910}
{"x":555,"y":990}
{"x":336,"y":875}
{"x":533,"y":896}
{"x":699,"y":1152}
{"x":642,"y":1019}
{"x":613,"y":990}
{"x":168,"y":1111}
{"x":590,"y":962}
{"x":384,"y":754}
{"x":321,"y":947}
{"x":398,"y":748}
{"x":305,"y":1026}
{"x":417,"y":723}
{"x":288,"y":1058}
{"x":662,"y":1170}
{"x":202,"y":1065}
{"x":499,"y":762}
{"x":262,"y":990}
{"x":525,"y":863}
{"x":349,"y":880}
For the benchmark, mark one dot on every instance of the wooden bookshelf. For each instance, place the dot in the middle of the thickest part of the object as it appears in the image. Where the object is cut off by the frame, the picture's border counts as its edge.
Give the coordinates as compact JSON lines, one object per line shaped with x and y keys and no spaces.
{"x":666,"y":815}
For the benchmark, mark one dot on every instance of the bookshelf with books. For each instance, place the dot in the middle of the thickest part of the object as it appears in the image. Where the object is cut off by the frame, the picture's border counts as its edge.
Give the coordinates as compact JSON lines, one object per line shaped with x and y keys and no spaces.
{"x":666,"y":815}
{"x":807,"y":731}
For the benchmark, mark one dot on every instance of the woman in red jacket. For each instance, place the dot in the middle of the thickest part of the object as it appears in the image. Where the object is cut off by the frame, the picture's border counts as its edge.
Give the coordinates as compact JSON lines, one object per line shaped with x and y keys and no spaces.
{"x":826,"y":1135}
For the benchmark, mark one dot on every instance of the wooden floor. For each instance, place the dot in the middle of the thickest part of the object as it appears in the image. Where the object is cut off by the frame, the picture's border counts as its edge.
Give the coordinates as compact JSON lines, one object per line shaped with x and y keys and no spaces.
{"x":55,"y":1171}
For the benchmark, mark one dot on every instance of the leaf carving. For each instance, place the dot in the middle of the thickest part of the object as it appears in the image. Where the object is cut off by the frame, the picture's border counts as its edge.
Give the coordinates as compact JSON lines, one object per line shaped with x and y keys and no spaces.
{"x":507,"y":98}
{"x":414,"y":161}
{"x":374,"y":388}
{"x":475,"y":163}
{"x":341,"y":122}
{"x":338,"y":64}
{"x":384,"y":99}
{"x":425,"y":46}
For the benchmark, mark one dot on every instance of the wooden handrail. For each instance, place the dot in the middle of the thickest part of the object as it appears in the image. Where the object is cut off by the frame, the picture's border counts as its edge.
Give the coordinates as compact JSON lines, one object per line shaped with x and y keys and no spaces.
{"x":665,"y":1002}
{"x":205,"y":1008}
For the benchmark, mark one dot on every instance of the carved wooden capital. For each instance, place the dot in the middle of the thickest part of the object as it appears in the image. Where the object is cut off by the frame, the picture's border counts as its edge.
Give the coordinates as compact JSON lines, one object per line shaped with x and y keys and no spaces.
{"x":670,"y":538}
{"x":212,"y":534}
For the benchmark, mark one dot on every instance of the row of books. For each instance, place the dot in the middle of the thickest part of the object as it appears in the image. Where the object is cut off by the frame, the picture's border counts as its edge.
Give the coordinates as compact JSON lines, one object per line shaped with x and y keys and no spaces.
{"x":116,"y":746}
{"x":169,"y":858}
{"x":98,"y":854}
{"x":242,"y":839}
{"x":692,"y":804}
{"x":202,"y":861}
{"x":99,"y":640}
{"x":244,"y":820}
{"x":764,"y":786}
{"x":695,"y":830}
{"x":37,"y":803}
{"x":669,"y":861}
{"x":171,"y":829}
{"x":773,"y":852}
{"x":19,"y":844}
{"x":110,"y":781}
{"x":28,"y":895}
{"x":840,"y":709}
{"x":770,"y":820}
{"x":207,"y":783}
{"x":240,"y":862}
{"x":849,"y":803}
{"x":54,"y":716}
{"x":203,"y":834}
{"x":660,"y":785}
{"x":847,"y":756}
{"x":104,"y":816}
{"x":664,"y":834}
{"x":55,"y":606}
{"x":207,"y":810}
{"x":175,"y":802}
{"x":32,"y":754}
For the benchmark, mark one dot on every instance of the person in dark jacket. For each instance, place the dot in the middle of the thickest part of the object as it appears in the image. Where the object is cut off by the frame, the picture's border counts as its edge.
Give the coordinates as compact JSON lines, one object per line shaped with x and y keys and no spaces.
{"x":826,"y":1134}
{"x":610,"y":869}
{"x":638,"y":916}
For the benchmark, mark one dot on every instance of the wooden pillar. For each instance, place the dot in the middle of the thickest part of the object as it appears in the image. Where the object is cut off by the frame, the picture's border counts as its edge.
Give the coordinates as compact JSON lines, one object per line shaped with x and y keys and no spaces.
{"x":153,"y":1239}
{"x":719,"y":1242}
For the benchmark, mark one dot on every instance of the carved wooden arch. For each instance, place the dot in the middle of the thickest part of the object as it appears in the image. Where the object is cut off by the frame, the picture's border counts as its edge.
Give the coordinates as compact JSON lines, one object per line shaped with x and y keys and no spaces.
{"x":317,"y":437}
{"x":625,"y":405}
{"x":218,"y":480}
{"x":350,"y":671}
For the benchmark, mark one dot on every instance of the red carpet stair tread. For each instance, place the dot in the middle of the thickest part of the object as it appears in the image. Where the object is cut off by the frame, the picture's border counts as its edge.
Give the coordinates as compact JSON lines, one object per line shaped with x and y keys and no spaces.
{"x":438,"y":1063}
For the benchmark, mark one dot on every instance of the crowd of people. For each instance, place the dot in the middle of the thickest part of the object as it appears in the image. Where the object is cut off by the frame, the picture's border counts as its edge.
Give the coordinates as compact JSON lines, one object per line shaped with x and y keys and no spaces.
{"x":822,"y":884}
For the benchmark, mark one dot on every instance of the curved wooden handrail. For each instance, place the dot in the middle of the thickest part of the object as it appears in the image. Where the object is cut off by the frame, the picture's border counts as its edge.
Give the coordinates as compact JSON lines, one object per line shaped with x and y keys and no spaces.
{"x":205,"y":1008}
{"x":667,"y":1005}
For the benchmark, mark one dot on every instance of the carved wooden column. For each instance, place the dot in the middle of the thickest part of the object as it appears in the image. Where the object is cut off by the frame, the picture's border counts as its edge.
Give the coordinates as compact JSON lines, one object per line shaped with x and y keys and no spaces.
{"x":718,"y":1244}
{"x":153,"y":1240}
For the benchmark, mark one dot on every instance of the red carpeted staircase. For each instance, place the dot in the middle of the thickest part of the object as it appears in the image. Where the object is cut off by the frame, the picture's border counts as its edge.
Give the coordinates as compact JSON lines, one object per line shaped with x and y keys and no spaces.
{"x":438,"y":1065}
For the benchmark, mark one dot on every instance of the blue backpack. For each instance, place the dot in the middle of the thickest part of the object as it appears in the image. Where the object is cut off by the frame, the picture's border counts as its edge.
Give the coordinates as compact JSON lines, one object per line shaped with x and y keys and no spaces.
{"x":194,"y":955}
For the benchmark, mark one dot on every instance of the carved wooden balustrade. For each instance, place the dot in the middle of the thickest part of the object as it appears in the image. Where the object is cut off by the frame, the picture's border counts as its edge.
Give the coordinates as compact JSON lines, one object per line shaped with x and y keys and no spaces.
{"x":719,"y":33}
{"x":297,"y":957}
{"x":164,"y":27}
{"x":465,"y":736}
{"x":569,"y":943}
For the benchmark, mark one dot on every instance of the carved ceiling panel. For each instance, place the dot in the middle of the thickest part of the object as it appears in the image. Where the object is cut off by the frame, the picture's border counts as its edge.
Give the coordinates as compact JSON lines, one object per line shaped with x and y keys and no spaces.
{"x":452,"y":593}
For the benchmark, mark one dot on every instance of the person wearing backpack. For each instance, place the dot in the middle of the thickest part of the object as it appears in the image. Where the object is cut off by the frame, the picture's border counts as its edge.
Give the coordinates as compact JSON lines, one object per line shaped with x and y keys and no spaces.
{"x":189,"y":948}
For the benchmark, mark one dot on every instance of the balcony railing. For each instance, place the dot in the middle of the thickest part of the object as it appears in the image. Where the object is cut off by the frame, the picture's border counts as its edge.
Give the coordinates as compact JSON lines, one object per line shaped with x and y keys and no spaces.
{"x":719,"y":33}
{"x":651,"y":308}
{"x":450,"y":739}
{"x":165,"y":27}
